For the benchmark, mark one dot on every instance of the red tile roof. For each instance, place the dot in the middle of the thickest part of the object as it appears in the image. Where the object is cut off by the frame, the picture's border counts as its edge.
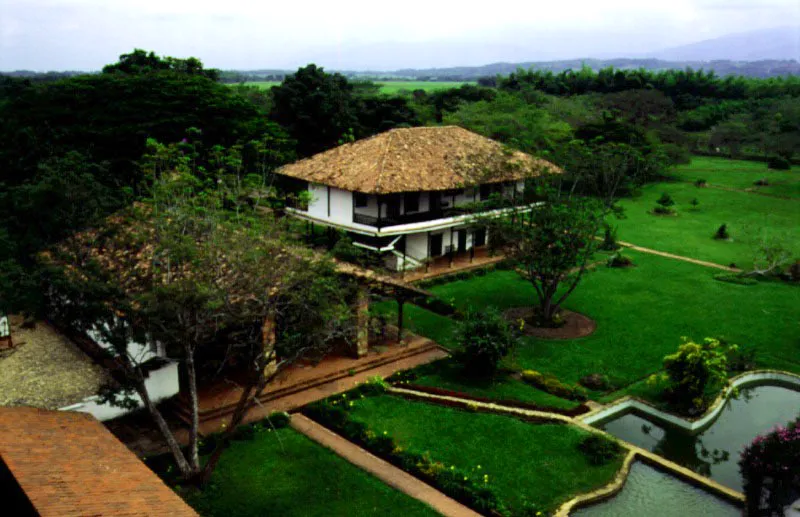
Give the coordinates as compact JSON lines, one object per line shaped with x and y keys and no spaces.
{"x":69,"y":464}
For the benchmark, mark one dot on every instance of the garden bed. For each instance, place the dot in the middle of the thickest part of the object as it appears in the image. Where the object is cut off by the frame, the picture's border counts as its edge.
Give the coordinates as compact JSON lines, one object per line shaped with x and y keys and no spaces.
{"x":525,"y":465}
{"x":575,"y":324}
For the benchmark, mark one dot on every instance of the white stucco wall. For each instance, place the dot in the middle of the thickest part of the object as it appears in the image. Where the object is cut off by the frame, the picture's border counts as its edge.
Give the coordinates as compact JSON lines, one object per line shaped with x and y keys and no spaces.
{"x":138,"y":352}
{"x":341,"y":205}
{"x":318,"y":206}
{"x":417,"y":245}
{"x":161,"y":384}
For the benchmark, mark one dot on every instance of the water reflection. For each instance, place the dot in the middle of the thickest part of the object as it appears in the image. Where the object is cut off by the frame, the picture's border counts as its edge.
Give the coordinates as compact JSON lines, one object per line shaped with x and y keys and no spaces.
{"x":714,"y":452}
{"x":651,"y":492}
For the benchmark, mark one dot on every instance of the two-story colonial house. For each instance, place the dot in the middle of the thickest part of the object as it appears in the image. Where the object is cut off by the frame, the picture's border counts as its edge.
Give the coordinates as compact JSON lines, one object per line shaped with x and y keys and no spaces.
{"x":411,"y":194}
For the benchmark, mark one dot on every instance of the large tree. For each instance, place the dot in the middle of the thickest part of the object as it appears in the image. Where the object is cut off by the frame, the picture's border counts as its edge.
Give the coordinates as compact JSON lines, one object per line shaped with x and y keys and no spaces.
{"x":551,"y":248}
{"x":207,"y":276}
{"x":322,"y":110}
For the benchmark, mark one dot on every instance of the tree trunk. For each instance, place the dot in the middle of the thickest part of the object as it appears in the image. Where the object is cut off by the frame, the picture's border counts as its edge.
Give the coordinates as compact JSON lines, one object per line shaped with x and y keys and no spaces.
{"x":191,"y":376}
{"x":236,"y":419}
{"x":172,"y":443}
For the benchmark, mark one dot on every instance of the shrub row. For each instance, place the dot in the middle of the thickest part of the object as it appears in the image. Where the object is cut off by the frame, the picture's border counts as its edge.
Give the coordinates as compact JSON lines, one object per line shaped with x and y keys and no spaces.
{"x":433,"y":390}
{"x":733,"y":278}
{"x":457,"y":483}
{"x":599,"y":449}
{"x":553,"y":386}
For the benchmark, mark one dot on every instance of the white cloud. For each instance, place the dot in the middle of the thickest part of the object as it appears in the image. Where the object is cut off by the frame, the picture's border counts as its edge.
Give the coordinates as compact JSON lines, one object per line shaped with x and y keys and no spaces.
{"x":85,"y":34}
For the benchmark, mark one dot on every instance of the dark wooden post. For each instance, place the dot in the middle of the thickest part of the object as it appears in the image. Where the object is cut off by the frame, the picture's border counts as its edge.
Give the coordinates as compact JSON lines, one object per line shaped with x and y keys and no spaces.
{"x":451,"y":247}
{"x":472,"y":248}
{"x":400,"y":302}
{"x":403,"y":269}
{"x":428,"y":255}
{"x":380,"y":223}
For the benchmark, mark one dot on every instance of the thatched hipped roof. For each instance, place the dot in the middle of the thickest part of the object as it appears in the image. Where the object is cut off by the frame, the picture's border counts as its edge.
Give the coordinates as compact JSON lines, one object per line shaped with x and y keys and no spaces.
{"x":417,"y":159}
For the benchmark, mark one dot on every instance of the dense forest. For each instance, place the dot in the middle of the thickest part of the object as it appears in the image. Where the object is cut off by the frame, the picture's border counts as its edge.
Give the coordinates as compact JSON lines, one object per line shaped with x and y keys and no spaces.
{"x":71,"y":146}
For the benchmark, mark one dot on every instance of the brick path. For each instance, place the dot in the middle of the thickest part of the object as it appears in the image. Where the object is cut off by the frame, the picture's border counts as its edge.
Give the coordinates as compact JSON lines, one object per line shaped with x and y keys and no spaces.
{"x":322,"y":390}
{"x":381,"y":469}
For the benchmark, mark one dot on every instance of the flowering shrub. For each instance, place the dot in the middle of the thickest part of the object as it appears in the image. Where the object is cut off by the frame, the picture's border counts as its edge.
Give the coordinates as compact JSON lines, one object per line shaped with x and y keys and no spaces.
{"x":692,"y":371}
{"x":769,"y":466}
{"x":470,"y":487}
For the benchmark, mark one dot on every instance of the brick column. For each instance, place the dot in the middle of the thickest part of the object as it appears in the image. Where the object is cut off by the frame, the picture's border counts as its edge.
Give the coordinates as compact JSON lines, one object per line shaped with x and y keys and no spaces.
{"x":268,"y":341}
{"x":362,"y":322}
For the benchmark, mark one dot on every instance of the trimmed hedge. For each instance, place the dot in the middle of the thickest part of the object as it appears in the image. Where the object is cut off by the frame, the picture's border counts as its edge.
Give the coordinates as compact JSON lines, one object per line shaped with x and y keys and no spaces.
{"x":553,"y":386}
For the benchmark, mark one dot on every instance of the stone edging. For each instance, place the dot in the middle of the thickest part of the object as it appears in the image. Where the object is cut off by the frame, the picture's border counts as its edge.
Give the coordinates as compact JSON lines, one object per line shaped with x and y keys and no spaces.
{"x":634,"y":452}
{"x":601,"y":494}
{"x":626,"y":404}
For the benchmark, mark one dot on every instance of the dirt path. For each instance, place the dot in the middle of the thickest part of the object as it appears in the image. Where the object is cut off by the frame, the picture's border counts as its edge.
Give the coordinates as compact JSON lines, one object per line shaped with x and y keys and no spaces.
{"x":678,"y":257}
{"x":381,"y":469}
{"x":744,"y":190}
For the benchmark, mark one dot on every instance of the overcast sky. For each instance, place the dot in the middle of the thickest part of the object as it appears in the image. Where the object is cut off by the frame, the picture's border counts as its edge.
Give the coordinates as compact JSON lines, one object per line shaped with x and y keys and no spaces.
{"x":246,"y":34}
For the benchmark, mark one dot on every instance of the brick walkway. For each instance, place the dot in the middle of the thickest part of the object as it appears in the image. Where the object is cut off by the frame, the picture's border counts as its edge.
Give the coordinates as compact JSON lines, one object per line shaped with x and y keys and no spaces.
{"x":334,"y":377}
{"x":386,"y":472}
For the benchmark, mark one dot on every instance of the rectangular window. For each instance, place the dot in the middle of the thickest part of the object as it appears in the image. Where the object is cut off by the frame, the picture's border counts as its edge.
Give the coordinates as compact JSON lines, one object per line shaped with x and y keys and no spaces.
{"x":412,"y":202}
{"x":361,"y":200}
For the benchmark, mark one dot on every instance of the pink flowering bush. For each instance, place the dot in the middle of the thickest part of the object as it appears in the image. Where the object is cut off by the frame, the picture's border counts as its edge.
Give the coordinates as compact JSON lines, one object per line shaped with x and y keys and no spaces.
{"x":770,"y":466}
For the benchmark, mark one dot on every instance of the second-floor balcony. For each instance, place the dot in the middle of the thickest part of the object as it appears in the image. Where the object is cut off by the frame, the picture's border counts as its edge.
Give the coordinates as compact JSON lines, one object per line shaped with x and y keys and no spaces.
{"x":387,"y":220}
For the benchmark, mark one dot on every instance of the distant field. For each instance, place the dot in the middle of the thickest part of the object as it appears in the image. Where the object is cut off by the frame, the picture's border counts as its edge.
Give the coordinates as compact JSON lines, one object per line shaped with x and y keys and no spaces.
{"x":390,"y":87}
{"x":741,"y":174}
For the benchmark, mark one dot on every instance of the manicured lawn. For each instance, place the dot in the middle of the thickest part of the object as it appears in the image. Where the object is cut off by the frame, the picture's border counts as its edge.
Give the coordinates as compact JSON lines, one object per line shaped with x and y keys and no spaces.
{"x":284,"y":473}
{"x":641,"y":314}
{"x":447,"y":374}
{"x":691,"y":231}
{"x":740,"y":174}
{"x":388,"y":87}
{"x":539,"y":462}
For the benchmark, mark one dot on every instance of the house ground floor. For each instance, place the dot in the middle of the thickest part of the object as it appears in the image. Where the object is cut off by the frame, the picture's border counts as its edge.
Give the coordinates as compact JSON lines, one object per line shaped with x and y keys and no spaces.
{"x":414,"y":251}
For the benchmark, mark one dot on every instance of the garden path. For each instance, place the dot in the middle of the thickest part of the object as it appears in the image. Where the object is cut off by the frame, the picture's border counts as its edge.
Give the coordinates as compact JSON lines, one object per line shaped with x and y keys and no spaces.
{"x":386,"y":472}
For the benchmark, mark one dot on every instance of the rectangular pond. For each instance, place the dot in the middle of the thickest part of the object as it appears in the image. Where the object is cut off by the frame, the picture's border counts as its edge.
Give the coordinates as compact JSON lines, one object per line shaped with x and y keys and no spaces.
{"x":650,"y":492}
{"x":713,"y":452}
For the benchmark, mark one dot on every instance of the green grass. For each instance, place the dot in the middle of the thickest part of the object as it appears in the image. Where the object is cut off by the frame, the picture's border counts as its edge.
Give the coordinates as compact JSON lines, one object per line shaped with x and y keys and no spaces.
{"x":641,"y":313}
{"x":539,"y":462}
{"x":284,"y":473}
{"x":691,"y":231}
{"x":388,"y":87}
{"x":447,"y":374}
{"x":740,"y":174}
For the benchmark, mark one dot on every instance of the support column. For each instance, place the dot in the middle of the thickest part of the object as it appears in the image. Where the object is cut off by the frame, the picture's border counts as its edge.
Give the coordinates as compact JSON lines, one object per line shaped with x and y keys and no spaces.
{"x":452,"y":252}
{"x":428,"y":254}
{"x":362,"y":322}
{"x":472,"y":248}
{"x":268,"y":342}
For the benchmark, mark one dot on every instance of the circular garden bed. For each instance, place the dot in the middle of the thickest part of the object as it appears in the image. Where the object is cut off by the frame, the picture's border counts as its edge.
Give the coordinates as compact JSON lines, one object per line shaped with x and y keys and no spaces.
{"x":575,"y":324}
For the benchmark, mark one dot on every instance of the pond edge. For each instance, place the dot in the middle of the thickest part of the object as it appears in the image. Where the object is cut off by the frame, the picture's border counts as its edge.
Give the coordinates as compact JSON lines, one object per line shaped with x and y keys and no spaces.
{"x":630,"y":403}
